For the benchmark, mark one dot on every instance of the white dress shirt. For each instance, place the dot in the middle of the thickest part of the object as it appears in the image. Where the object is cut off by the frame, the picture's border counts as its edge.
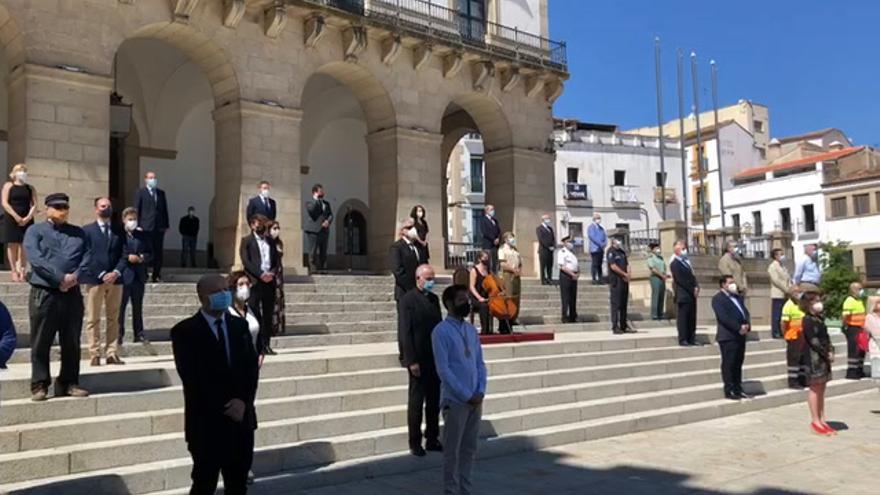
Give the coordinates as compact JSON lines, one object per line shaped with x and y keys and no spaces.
{"x":568,"y":260}
{"x":265,"y":254}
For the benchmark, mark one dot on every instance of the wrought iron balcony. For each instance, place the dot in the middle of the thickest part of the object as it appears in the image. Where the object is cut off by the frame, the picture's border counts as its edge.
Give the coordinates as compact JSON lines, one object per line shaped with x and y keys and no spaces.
{"x":576,"y":192}
{"x":428,"y":19}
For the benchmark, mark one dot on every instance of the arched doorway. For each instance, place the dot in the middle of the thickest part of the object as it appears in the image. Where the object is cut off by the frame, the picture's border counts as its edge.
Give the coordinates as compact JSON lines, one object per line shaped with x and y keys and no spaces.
{"x":355,"y":234}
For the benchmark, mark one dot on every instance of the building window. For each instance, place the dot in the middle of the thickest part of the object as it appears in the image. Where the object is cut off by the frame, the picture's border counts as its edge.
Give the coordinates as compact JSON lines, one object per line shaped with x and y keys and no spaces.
{"x":861,"y":204}
{"x":809,"y":219}
{"x":877,"y":201}
{"x":762,"y":153}
{"x":735,"y":219}
{"x":473,"y":19}
{"x":477,"y":175}
{"x":619,"y":177}
{"x":621,"y":226}
{"x":660,"y":179}
{"x":785,"y":219}
{"x":838,"y":207}
{"x":758,"y":225}
{"x":572,"y":175}
{"x":758,"y":125}
{"x":872,"y":263}
{"x":699,"y":157}
{"x":475,"y":225}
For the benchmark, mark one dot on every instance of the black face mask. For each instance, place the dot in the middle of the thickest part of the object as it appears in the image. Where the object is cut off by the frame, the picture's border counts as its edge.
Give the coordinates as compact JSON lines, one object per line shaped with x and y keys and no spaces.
{"x":260,"y":230}
{"x":106,"y":213}
{"x":462,"y":310}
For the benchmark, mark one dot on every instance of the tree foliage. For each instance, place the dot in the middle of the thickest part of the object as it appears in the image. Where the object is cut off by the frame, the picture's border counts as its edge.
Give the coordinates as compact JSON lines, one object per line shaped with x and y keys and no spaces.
{"x":837,"y":274}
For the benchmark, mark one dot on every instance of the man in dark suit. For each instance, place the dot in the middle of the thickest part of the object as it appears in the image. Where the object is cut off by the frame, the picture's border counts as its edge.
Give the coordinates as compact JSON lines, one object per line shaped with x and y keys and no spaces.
{"x":189,"y":237}
{"x":137,"y":255}
{"x":152,"y":210}
{"x":259,"y":256}
{"x":404,"y":259}
{"x":319,"y":216}
{"x":490,"y":236}
{"x":102,"y":283}
{"x":546,"y":246}
{"x":733,"y":326}
{"x":419,"y":314}
{"x":262,"y":204}
{"x":217,"y":363}
{"x":687,"y":290}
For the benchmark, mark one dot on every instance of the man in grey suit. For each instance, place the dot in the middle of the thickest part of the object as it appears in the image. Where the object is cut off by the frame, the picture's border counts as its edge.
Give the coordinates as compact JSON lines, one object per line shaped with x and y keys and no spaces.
{"x":319,"y":216}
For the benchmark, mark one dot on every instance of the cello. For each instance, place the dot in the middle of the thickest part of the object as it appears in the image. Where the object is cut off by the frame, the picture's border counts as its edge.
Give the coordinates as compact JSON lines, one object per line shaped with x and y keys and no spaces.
{"x":501,"y":306}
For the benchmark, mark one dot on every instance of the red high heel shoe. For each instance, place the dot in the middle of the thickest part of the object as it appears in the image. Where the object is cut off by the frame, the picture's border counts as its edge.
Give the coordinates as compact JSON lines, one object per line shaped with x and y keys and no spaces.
{"x":831,"y":431}
{"x":820,"y":429}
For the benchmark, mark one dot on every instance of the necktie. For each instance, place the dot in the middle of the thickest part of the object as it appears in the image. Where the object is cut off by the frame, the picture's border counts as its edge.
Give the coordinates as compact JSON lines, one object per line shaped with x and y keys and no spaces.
{"x":322,"y":206}
{"x":153,"y":194}
{"x":221,"y":338}
{"x":414,"y":250}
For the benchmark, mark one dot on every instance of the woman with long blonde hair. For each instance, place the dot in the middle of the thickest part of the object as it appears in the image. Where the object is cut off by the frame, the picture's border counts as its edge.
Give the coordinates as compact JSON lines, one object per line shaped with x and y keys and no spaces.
{"x":19,"y":202}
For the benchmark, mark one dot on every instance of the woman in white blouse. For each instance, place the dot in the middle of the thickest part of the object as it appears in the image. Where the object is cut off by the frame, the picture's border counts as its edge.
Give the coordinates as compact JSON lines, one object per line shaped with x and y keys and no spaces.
{"x":240,"y":285}
{"x":872,"y":326}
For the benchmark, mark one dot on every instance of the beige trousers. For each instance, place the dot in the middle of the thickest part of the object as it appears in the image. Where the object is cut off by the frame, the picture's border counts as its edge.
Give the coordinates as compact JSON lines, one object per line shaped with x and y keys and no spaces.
{"x":110,"y":297}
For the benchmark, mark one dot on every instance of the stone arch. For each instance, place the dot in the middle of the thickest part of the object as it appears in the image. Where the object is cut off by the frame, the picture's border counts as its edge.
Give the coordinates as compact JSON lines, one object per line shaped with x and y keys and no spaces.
{"x":354,"y":206}
{"x":12,"y":42}
{"x":374,"y":98}
{"x":485,"y":113}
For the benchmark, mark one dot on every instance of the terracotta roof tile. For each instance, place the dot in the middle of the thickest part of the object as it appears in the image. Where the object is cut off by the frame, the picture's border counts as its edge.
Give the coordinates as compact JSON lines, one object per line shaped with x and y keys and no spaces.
{"x":776,"y":167}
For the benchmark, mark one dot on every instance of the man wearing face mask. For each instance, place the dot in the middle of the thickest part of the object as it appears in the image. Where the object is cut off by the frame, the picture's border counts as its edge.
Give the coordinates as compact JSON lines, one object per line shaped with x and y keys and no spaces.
{"x":657,"y":268}
{"x":490,"y":236}
{"x":598,"y":241}
{"x":687,"y":290}
{"x":59,"y":254}
{"x":733,"y":325}
{"x":808,"y":273}
{"x":780,"y":287}
{"x":262,"y":203}
{"x":152,"y":210}
{"x":189,"y":236}
{"x":136,"y":254}
{"x":618,"y":285}
{"x":418,"y":315}
{"x":569,"y":273}
{"x":459,"y":359}
{"x":546,"y":246}
{"x":317,"y":228}
{"x":102,"y":283}
{"x":259,"y":257}
{"x":792,"y":325}
{"x":731,"y":264}
{"x":404,"y":258}
{"x":854,"y":315}
{"x":218,"y":366}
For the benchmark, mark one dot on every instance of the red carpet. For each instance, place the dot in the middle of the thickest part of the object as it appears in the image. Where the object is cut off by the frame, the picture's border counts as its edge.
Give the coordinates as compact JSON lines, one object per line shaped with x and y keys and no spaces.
{"x":515,"y":337}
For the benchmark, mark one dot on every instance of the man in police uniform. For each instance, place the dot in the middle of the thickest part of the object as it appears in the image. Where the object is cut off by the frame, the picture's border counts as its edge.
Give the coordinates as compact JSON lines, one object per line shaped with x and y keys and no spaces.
{"x":618,"y":284}
{"x":569,"y":273}
{"x":59,"y":253}
{"x":853,"y":324}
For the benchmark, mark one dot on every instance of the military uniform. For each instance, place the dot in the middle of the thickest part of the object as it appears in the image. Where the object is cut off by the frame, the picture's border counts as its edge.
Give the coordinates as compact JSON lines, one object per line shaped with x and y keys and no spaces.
{"x":853,"y":324}
{"x":619,"y":288}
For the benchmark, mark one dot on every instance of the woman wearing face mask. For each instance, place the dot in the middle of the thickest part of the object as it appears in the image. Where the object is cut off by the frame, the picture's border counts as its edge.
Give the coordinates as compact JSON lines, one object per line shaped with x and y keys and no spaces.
{"x":240,"y":287}
{"x":511,"y":270}
{"x":478,"y":295}
{"x":19,"y":201}
{"x":421,"y":224}
{"x":657,"y":267}
{"x":279,"y":321}
{"x":872,"y":326}
{"x":818,"y":363}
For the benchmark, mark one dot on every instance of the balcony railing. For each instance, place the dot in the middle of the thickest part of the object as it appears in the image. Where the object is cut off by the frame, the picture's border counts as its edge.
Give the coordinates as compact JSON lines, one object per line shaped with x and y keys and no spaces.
{"x":576,"y":192}
{"x":624,"y":194}
{"x":670,"y":195}
{"x":697,"y":214}
{"x":461,"y":254}
{"x":434,"y":20}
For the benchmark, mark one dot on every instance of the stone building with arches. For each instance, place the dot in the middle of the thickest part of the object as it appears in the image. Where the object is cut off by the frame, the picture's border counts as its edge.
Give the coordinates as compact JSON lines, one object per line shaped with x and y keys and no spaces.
{"x":367,"y":97}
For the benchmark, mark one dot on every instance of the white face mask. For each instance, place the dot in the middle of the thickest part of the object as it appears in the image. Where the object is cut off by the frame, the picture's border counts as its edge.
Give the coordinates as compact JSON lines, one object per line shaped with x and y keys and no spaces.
{"x":420,"y":214}
{"x":684,"y":252}
{"x":131,"y":225}
{"x":275,"y":233}
{"x":597,"y":221}
{"x":243,"y":292}
{"x":569,"y":246}
{"x":512,"y":242}
{"x":731,"y":288}
{"x":412,"y":233}
{"x":21,"y":176}
{"x":264,"y":193}
{"x":782,"y":259}
{"x":818,"y":307}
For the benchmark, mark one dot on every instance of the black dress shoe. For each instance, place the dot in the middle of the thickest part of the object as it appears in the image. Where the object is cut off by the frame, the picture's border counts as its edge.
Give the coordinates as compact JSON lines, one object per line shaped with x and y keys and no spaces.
{"x":743,"y":395}
{"x":735,"y":397}
{"x":434,"y":446}
{"x":270,"y":352}
{"x":685,"y":344}
{"x":630,"y":330}
{"x":417,"y":451}
{"x":617,"y":331}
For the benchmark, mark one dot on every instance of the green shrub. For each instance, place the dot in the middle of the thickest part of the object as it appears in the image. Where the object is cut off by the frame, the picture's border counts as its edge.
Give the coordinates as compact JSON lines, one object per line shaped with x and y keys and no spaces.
{"x":837,"y":274}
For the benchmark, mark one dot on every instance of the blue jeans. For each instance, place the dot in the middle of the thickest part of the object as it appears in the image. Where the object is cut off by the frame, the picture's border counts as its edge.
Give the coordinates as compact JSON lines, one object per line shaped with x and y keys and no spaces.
{"x":775,"y":317}
{"x":597,"y":266}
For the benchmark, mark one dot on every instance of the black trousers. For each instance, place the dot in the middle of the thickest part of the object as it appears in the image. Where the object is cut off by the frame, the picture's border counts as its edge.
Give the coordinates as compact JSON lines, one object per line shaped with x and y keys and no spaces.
{"x":133,"y":292}
{"x":424,"y":393}
{"x":619,"y":301}
{"x":596,"y":268}
{"x":493,"y":259}
{"x":54,"y":312}
{"x":795,"y":354}
{"x":686,"y":322}
{"x":263,"y":300}
{"x":482,"y":309}
{"x":157,"y":244}
{"x":545,"y":258}
{"x":188,"y":251}
{"x":568,"y":292}
{"x":231,"y":452}
{"x":733,"y":354}
{"x":317,"y":248}
{"x":855,"y":359}
{"x":776,"y":316}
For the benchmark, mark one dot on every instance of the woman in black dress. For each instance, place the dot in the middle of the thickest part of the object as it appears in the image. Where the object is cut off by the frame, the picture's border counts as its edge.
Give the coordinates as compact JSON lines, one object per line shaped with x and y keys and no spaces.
{"x":819,"y":354}
{"x":421,"y":224}
{"x":19,"y":202}
{"x":479,"y":297}
{"x":279,"y":319}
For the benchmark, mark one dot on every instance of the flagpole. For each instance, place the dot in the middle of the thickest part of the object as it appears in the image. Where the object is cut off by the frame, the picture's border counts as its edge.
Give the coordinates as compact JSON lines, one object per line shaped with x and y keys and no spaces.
{"x":718,"y":143}
{"x":660,"y":127}
{"x":699,"y":152}
{"x":684,"y":175}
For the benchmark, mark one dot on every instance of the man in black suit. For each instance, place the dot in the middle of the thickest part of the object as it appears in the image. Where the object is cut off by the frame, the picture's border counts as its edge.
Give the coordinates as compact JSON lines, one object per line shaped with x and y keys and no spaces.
{"x":262,"y":204}
{"x":546,"y":246}
{"x":137,"y":255}
{"x":189,"y":237}
{"x":419,"y":314}
{"x":404,"y":259}
{"x":217,"y":363}
{"x":733,"y":326}
{"x":102,"y":283}
{"x":687,"y":290}
{"x":319,"y":216}
{"x":490,"y":236}
{"x":152,"y":210}
{"x":259,"y":256}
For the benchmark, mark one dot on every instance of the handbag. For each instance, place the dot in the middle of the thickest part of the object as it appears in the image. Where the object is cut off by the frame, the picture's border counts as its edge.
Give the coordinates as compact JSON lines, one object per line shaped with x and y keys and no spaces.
{"x":862,"y":339}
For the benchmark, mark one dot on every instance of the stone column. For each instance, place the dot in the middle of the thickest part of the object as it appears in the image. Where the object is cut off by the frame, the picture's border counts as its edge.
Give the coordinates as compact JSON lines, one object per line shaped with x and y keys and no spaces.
{"x":519,"y":182}
{"x":403,"y":173}
{"x":671,"y":231}
{"x":256,"y":142}
{"x":59,"y":125}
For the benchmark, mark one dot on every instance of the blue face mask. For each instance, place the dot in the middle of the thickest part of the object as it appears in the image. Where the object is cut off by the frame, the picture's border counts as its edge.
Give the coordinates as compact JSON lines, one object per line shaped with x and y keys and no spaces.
{"x":429,"y":285}
{"x":492,"y":213}
{"x":152,"y":182}
{"x":220,"y":301}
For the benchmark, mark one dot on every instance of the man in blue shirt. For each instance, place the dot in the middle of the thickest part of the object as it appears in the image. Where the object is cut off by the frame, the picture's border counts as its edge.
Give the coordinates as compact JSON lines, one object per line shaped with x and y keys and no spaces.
{"x":598,"y":241}
{"x":59,"y":254}
{"x":808,"y":273}
{"x":459,"y":360}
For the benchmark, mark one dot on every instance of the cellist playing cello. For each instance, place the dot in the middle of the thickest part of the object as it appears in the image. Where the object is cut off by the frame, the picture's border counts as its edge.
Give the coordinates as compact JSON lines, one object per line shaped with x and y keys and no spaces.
{"x":478,"y":293}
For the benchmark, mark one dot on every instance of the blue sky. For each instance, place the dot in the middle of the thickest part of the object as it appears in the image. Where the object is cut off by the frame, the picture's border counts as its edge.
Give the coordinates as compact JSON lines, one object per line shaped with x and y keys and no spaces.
{"x":814,"y":63}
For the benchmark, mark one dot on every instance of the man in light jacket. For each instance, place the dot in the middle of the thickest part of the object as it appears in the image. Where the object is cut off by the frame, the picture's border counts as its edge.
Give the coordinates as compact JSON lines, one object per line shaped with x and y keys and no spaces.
{"x":780,"y":288}
{"x":731,"y":264}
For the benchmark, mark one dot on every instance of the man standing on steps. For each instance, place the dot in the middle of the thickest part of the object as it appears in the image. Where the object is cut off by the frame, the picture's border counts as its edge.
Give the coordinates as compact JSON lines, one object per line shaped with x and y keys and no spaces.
{"x":152,"y":210}
{"x":792,"y":324}
{"x":731,"y":264}
{"x":618,"y":284}
{"x":733,"y":326}
{"x":598,"y":240}
{"x":404,"y":258}
{"x":459,"y":359}
{"x":319,"y":216}
{"x":259,"y":257}
{"x":546,"y":246}
{"x":490,"y":236}
{"x":262,"y":204}
{"x":59,"y":253}
{"x":687,"y":290}
{"x":218,"y":366}
{"x":419,"y":313}
{"x":569,"y":273}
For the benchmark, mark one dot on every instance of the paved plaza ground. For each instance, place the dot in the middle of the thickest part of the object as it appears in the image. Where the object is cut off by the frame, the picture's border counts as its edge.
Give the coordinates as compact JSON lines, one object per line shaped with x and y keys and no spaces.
{"x":770,"y":452}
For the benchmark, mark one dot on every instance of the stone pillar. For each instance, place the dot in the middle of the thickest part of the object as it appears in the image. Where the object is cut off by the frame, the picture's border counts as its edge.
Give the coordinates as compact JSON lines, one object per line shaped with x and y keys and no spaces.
{"x":403,"y":173}
{"x":59,"y":125}
{"x":519,"y":182}
{"x":256,"y":142}
{"x":671,"y":231}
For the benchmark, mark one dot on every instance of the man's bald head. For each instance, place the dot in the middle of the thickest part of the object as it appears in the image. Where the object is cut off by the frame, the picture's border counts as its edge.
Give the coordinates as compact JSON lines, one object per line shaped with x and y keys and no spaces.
{"x":423,"y":274}
{"x":210,"y":284}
